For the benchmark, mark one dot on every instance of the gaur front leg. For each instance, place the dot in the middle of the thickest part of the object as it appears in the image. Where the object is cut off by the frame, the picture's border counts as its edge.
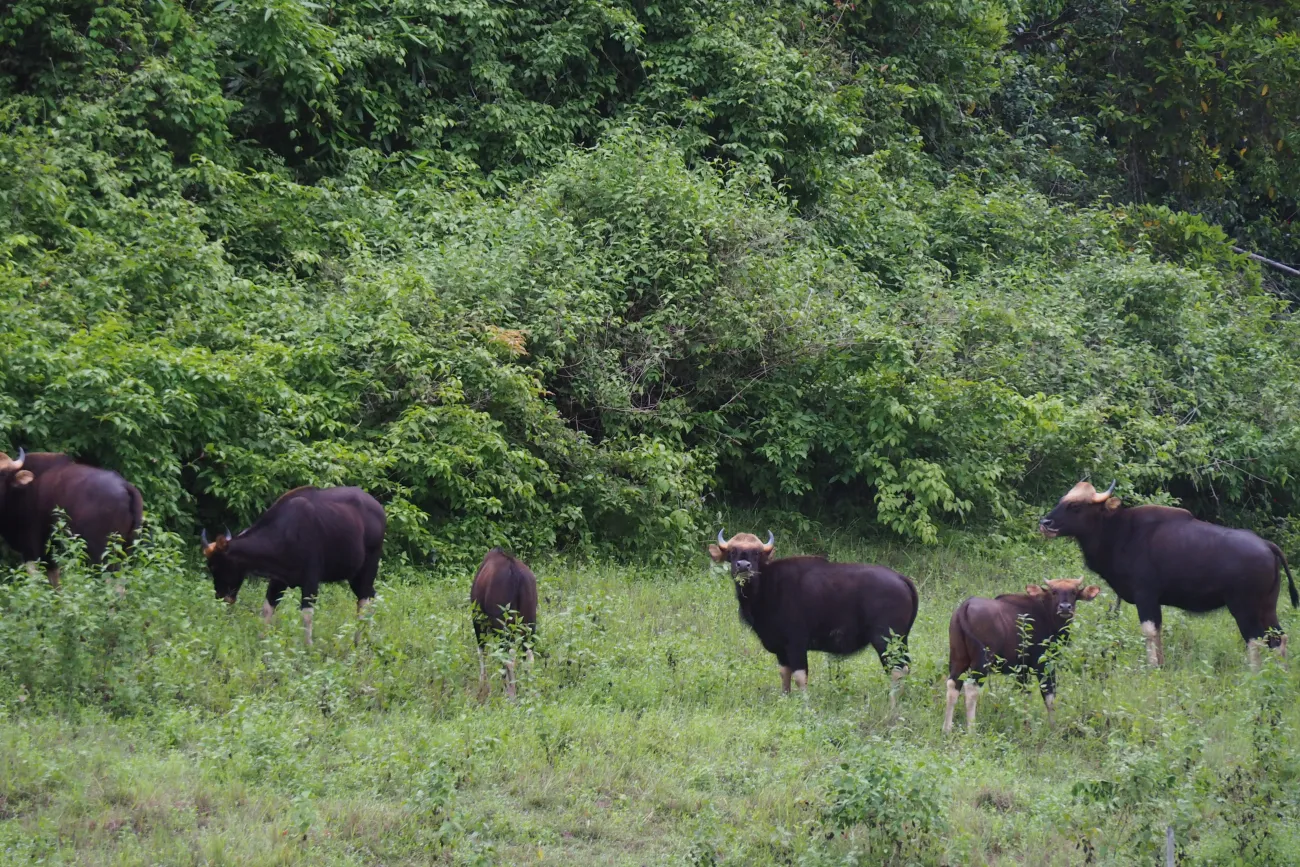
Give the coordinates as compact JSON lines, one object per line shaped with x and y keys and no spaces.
{"x":1048,"y":687}
{"x":798,"y":662}
{"x":274,"y":593}
{"x":786,"y":671}
{"x":51,"y":572}
{"x":1149,"y":615}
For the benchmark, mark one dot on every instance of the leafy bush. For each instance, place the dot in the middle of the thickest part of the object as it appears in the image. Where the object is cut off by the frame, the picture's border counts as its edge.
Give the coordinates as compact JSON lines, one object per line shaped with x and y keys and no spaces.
{"x":89,"y":642}
{"x":898,"y":802}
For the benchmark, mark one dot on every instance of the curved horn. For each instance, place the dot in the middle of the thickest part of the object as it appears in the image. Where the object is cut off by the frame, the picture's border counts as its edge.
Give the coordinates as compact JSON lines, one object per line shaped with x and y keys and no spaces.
{"x":227,"y":534}
{"x":771,"y":542}
{"x":1105,"y":495}
{"x":722,"y":543}
{"x":18,"y":464}
{"x":203,"y":537}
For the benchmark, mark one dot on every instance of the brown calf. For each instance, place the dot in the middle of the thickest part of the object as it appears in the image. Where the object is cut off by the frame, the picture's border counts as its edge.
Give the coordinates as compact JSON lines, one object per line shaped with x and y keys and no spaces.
{"x":1010,"y":634}
{"x":503,"y":597}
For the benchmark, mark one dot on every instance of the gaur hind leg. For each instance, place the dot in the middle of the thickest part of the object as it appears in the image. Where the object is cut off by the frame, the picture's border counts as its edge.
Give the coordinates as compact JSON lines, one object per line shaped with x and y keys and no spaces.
{"x":1273,"y":628}
{"x":971,"y":689}
{"x":953,"y":692}
{"x":895,"y":661}
{"x":484,"y":686}
{"x":1252,"y":628}
{"x":363,"y":587}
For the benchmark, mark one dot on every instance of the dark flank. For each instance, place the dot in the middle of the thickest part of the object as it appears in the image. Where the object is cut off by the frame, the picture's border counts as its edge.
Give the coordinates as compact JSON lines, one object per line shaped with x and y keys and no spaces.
{"x":799,"y":604}
{"x":1010,"y":634}
{"x":99,"y":504}
{"x":503,"y":596}
{"x":309,"y":537}
{"x":1154,"y":556}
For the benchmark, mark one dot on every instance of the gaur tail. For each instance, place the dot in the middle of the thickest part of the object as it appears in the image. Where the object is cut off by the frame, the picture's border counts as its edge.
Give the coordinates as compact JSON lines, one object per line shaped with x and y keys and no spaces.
{"x":137,"y":508}
{"x":980,"y":661}
{"x":1281,"y":558}
{"x":916,"y":601}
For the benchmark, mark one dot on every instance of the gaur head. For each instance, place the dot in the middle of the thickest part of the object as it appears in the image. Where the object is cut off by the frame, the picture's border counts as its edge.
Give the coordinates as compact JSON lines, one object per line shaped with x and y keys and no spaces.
{"x":227,"y":578}
{"x":13,"y":477}
{"x":1062,"y":593}
{"x":744,"y":552}
{"x":1079,"y":512}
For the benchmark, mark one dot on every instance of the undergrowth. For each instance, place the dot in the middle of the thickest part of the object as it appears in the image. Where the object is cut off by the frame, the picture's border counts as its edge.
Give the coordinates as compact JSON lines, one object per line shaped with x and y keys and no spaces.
{"x":159,"y":726}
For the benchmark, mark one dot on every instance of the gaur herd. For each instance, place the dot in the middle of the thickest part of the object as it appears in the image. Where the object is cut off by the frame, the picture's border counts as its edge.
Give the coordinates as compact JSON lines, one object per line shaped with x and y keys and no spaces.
{"x":1150,"y":556}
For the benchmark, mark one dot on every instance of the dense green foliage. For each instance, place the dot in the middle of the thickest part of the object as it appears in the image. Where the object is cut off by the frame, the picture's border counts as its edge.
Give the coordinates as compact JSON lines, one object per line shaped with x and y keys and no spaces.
{"x":1197,"y":98}
{"x":564,"y":274}
{"x":157,"y":727}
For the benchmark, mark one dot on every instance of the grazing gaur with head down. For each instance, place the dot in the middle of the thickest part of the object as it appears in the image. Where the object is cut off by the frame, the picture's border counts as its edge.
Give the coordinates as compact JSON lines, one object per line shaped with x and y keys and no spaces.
{"x":99,"y":504}
{"x":798,"y":604}
{"x":309,"y":537}
{"x":503,"y":598}
{"x":1156,"y":555}
{"x":1010,"y":634}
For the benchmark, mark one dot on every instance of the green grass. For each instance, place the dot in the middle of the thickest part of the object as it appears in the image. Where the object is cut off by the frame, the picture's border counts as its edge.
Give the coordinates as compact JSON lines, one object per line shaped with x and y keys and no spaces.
{"x":652,"y":731}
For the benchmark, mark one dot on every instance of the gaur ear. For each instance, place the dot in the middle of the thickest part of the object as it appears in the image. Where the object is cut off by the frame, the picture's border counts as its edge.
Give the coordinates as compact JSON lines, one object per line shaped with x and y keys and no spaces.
{"x":1112,"y":504}
{"x":716,"y":553}
{"x":1089,"y":592}
{"x":23,"y":478}
{"x":1034,"y":590}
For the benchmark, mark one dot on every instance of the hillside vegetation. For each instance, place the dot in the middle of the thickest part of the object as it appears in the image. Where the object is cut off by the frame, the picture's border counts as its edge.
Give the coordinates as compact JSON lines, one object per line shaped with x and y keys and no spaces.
{"x":572,"y":274}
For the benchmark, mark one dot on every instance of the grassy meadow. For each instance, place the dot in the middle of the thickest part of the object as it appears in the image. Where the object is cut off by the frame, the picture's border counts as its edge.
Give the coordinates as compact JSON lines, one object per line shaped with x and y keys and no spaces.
{"x":160,"y":728}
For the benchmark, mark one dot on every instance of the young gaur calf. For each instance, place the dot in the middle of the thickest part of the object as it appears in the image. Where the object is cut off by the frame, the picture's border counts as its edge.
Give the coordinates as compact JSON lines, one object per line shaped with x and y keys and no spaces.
{"x":798,"y":604}
{"x":503,"y":600}
{"x":309,"y":537}
{"x":1011,"y":633}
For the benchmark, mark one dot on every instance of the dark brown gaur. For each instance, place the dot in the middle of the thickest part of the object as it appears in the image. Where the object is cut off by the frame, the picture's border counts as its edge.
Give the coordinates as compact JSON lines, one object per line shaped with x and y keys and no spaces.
{"x":801,"y":604}
{"x":1010,"y":634}
{"x":1154,"y":556}
{"x":503,"y":600}
{"x":99,"y":504}
{"x":310,"y":536}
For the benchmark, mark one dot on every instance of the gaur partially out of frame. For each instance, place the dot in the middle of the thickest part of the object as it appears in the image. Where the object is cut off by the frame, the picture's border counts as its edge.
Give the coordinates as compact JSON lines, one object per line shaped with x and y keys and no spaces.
{"x":99,"y":504}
